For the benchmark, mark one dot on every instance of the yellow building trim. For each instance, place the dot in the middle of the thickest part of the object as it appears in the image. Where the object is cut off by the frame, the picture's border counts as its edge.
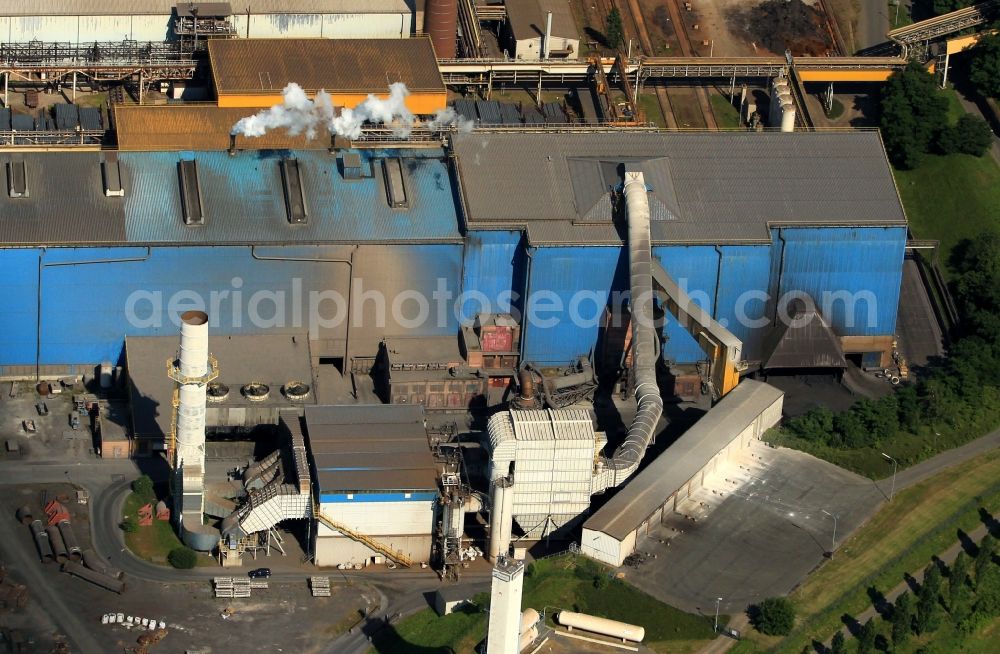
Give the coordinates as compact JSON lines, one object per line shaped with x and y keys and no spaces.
{"x":840,"y":75}
{"x":418,"y":102}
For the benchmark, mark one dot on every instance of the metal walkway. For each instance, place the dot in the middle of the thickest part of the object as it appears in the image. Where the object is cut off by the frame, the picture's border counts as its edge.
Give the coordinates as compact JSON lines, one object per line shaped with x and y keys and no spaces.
{"x":367,"y":541}
{"x":949,"y":23}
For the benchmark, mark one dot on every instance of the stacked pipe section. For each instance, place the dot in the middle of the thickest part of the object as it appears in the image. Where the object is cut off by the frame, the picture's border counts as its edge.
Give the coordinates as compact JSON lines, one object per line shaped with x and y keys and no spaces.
{"x":625,"y":460}
{"x":192,"y":372}
{"x":782,"y":108}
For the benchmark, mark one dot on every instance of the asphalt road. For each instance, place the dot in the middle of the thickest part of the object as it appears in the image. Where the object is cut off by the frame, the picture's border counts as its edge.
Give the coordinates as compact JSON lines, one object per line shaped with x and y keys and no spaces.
{"x":401,"y":592}
{"x":873,"y":23}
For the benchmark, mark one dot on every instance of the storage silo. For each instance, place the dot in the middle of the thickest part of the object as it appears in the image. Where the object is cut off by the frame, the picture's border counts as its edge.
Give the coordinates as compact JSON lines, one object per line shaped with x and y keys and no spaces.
{"x":440,"y":22}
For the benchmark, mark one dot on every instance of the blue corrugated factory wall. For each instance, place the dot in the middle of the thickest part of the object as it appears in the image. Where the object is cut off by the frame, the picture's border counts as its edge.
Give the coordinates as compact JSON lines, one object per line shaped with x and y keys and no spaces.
{"x":494,"y":266}
{"x":85,"y":293}
{"x":556,"y":274}
{"x":865,"y":264}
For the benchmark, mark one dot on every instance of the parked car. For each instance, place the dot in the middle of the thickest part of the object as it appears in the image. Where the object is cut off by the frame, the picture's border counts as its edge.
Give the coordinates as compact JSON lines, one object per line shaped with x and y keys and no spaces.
{"x":260,"y":573}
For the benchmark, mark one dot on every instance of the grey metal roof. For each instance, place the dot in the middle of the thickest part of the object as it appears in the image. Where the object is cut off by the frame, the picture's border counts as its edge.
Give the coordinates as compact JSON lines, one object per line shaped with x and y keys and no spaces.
{"x":805,"y":342}
{"x":242,"y":197}
{"x":705,"y":187}
{"x":276,"y":359}
{"x":648,"y":490}
{"x":66,"y":201}
{"x":370,"y":447}
{"x":527,"y":18}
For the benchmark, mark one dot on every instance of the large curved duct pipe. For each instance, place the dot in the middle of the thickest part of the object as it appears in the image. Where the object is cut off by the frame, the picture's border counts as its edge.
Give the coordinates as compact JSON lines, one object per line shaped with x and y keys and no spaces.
{"x":625,"y":461}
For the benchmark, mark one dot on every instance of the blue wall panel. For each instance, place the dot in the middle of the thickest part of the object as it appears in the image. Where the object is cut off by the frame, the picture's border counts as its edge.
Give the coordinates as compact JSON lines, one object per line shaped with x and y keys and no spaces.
{"x":558,"y":274}
{"x":93,"y":297}
{"x":863,"y":265}
{"x":493,"y":266}
{"x":18,"y":320}
{"x":695,"y":269}
{"x":745,"y":278}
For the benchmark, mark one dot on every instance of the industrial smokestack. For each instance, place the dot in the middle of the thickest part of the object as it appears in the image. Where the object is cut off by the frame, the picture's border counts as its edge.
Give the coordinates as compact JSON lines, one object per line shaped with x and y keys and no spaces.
{"x":441,"y":23}
{"x":547,"y":44}
{"x":504,"y":634}
{"x":193,"y":378}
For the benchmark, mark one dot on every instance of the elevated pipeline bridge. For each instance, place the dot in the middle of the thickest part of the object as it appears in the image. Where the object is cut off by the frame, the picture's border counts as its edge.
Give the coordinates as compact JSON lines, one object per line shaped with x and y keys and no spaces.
{"x":486,"y":72}
{"x":914,"y":39}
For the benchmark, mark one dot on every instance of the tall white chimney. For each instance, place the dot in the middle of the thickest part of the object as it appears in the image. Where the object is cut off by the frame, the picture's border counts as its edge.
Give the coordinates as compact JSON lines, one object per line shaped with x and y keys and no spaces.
{"x":504,"y":633}
{"x":547,"y":44}
{"x":194,"y":372}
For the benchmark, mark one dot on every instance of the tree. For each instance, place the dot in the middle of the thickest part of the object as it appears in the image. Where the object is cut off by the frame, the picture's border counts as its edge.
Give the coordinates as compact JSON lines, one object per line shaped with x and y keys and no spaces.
{"x":958,"y":574}
{"x":182,"y":558}
{"x":988,"y":592}
{"x":913,"y":112}
{"x":129,"y":525}
{"x":940,"y":7}
{"x":984,"y":557}
{"x":928,"y":617}
{"x":614,"y":33}
{"x":837,"y":645}
{"x":984,"y":69}
{"x":970,"y":135}
{"x":143,"y":487}
{"x":902,"y":619}
{"x":775,"y":616}
{"x":866,"y":639}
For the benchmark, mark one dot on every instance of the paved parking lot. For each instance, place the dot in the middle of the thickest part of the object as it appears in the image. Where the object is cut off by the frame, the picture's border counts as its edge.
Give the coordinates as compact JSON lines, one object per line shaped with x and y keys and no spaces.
{"x":755,"y":530}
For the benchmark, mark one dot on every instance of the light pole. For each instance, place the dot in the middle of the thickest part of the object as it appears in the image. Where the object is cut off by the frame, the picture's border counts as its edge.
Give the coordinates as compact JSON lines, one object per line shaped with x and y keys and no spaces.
{"x":833,"y":542}
{"x":717,"y":601}
{"x":892,"y":489}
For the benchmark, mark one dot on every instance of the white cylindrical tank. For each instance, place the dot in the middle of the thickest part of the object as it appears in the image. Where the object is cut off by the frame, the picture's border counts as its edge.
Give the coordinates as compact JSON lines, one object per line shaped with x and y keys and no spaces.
{"x":529,"y":618}
{"x":788,"y":118}
{"x":527,"y":638}
{"x":601,"y":626}
{"x":191,"y":408}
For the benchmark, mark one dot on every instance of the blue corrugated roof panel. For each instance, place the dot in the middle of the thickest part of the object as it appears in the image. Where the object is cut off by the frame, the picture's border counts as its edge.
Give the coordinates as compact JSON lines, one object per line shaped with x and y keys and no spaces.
{"x":494,"y":267}
{"x":489,"y":112}
{"x":509,"y":114}
{"x":90,"y":118}
{"x":243,"y":201}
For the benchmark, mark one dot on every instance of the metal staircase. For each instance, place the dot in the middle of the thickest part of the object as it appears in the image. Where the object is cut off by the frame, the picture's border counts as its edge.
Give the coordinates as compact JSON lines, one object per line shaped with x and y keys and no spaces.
{"x":379,"y":547}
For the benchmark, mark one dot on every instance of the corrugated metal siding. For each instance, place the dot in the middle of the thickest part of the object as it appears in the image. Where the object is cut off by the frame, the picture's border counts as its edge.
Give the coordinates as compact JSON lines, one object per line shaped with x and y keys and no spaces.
{"x":84,"y":305}
{"x":19,"y":270}
{"x":745,"y":268}
{"x":695,"y":269}
{"x":494,"y":266}
{"x":382,"y":24}
{"x":81,"y":29}
{"x":563,"y":272}
{"x":861,"y":262}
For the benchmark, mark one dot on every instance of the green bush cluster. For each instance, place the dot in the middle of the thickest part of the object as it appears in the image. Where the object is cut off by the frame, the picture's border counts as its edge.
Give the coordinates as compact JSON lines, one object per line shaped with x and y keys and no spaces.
{"x":960,"y":394}
{"x":914,"y":120}
{"x":775,"y":616}
{"x":182,"y":558}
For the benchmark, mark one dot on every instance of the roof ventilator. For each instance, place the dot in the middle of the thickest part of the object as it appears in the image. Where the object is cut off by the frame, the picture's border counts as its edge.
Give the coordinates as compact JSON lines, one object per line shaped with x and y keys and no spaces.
{"x":350,"y":164}
{"x":217,"y":392}
{"x":295,"y":198}
{"x":112,"y":175}
{"x":395,"y":189}
{"x":17,"y":179}
{"x":256,"y":391}
{"x":296,"y":391}
{"x":191,"y":206}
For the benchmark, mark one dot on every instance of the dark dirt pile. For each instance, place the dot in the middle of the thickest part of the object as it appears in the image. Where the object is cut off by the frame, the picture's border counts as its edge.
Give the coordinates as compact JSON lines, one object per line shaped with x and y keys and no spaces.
{"x":783,"y":24}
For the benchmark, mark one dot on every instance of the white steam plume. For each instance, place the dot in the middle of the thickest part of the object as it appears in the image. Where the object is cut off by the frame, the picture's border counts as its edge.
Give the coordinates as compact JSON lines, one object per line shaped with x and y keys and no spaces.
{"x":300,"y":115}
{"x":448,"y":117}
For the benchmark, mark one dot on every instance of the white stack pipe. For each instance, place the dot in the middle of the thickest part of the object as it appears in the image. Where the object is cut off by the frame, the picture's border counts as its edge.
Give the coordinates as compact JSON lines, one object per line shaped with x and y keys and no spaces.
{"x":501,"y":517}
{"x":547,"y":43}
{"x":191,"y":409}
{"x":788,"y":118}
